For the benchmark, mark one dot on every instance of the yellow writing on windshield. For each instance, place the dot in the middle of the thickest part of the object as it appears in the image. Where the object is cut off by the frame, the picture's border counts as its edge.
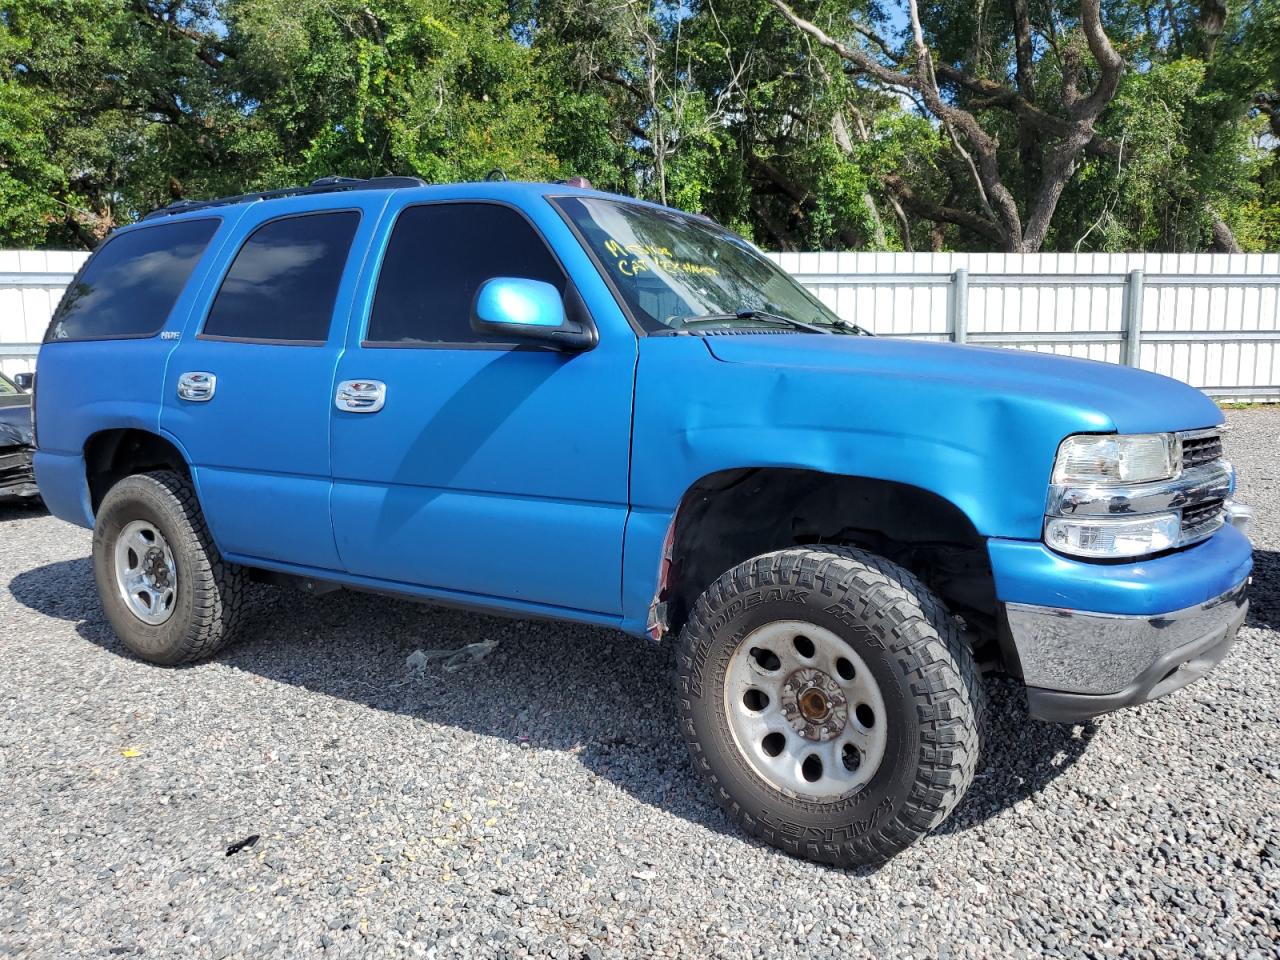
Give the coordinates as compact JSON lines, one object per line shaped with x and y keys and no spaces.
{"x":632,"y":259}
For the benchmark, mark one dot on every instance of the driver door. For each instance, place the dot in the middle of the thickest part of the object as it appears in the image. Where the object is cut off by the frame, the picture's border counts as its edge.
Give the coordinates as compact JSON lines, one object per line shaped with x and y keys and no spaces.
{"x":488,"y":469}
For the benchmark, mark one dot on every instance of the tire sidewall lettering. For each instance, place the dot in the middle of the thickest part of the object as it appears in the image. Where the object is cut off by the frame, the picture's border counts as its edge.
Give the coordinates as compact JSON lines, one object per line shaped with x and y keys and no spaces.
{"x":700,"y":654}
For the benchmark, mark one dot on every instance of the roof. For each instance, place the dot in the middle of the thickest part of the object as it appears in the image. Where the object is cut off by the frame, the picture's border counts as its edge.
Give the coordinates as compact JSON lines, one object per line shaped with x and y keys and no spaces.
{"x":513,"y":190}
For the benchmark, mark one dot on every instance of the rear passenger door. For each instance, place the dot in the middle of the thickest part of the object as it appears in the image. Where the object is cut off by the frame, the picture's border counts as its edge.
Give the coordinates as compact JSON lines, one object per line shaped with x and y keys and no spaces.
{"x":490,"y":469}
{"x":248,"y":391}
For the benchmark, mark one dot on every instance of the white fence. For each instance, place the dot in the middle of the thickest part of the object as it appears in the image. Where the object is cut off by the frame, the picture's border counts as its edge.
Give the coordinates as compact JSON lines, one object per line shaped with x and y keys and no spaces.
{"x":1212,"y":320}
{"x":31,"y":283}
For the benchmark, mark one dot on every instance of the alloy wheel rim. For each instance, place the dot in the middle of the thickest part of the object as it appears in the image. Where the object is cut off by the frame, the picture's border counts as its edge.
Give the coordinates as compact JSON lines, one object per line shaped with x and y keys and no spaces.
{"x":805,"y":711}
{"x":146,"y":574}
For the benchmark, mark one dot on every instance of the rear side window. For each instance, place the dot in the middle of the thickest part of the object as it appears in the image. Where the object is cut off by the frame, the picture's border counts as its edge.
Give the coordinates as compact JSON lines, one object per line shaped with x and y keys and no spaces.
{"x":284,"y":281}
{"x":438,"y":256}
{"x":128,"y":287}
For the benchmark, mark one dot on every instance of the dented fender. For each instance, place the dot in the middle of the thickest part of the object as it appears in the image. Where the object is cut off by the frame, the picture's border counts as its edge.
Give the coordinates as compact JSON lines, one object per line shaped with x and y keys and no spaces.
{"x":977,"y":427}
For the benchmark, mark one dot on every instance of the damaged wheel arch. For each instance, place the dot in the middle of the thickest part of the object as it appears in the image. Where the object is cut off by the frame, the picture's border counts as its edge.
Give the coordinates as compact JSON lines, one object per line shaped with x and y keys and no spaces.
{"x":732,"y":515}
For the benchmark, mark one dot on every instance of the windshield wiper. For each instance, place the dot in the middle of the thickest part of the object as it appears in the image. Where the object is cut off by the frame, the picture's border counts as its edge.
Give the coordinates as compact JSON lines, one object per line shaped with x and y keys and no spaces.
{"x":851,"y":328}
{"x":762,"y":315}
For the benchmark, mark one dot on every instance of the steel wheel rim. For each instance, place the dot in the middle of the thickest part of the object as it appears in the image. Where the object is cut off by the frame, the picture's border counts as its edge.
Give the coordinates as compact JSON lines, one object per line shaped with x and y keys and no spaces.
{"x":146,"y":575}
{"x":802,"y":711}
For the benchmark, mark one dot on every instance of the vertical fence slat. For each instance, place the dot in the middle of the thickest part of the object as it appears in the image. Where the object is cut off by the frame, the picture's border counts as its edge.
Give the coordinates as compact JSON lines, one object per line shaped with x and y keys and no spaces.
{"x":960,"y":305}
{"x":1133,"y":319}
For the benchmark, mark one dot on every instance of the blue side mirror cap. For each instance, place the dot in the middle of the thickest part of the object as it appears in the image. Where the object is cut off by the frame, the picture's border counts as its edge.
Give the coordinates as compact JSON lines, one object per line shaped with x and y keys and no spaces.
{"x":527,"y":310}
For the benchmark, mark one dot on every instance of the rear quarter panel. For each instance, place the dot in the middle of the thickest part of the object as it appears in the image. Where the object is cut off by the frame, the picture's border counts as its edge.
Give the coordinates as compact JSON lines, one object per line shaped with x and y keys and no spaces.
{"x":87,"y":386}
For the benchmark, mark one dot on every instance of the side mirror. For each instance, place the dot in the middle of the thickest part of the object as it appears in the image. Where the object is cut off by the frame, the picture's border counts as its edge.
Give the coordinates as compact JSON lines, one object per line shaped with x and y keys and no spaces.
{"x":24,"y":381}
{"x":522,"y":309}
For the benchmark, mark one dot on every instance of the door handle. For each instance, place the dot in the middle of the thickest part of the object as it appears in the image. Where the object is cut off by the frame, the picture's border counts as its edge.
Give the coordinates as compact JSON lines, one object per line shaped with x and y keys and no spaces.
{"x":361,"y":396}
{"x":198,"y":386}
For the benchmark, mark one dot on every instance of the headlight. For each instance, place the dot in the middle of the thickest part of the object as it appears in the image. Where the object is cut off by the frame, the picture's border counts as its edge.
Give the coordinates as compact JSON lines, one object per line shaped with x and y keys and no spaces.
{"x":1107,"y":538}
{"x":1136,"y":458}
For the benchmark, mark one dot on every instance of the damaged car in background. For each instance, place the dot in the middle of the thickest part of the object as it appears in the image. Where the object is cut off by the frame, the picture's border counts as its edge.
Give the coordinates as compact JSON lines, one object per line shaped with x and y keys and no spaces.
{"x":17,"y":441}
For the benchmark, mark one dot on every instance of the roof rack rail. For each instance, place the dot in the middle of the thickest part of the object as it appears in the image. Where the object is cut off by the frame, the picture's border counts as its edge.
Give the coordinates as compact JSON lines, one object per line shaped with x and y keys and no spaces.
{"x":322,"y":185}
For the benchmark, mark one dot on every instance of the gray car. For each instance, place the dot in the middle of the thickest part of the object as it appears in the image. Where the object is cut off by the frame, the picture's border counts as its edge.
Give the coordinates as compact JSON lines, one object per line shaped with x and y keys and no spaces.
{"x":17,"y":441}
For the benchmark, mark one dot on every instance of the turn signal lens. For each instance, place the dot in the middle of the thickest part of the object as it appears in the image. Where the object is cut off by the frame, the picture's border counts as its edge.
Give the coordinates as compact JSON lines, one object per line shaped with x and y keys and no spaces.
{"x":1113,"y":538}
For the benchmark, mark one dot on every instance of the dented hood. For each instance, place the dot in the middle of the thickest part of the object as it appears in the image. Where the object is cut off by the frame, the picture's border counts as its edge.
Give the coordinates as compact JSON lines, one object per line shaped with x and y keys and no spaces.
{"x":1133,"y":401}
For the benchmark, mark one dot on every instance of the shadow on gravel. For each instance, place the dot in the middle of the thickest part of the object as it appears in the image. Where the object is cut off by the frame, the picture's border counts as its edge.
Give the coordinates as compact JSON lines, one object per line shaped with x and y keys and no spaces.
{"x":22,"y":509}
{"x":596,"y":694}
{"x":1021,"y":757}
{"x":1264,"y":594}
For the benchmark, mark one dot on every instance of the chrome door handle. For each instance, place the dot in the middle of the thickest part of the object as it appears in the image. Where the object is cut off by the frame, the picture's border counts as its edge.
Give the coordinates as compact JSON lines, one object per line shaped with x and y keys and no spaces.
{"x":198,"y":385}
{"x":361,"y":396}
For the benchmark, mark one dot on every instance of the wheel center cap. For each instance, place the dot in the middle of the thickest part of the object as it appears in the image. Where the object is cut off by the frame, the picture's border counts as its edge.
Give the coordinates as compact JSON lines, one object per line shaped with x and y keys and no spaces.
{"x":814,"y":704}
{"x":154,"y":568}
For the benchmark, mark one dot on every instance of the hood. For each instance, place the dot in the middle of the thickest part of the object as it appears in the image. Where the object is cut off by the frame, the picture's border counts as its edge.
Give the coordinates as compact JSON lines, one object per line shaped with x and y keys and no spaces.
{"x":1113,"y":396}
{"x":15,"y":421}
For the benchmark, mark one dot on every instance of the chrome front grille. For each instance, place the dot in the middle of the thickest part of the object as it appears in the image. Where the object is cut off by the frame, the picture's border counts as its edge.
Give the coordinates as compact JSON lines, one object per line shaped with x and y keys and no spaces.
{"x":1201,"y":518}
{"x":1200,"y":448}
{"x":1204,"y":510}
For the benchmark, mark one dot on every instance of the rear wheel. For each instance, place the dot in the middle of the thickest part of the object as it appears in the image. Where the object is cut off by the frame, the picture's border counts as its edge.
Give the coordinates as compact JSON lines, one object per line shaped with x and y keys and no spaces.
{"x":168,"y":594}
{"x":830,"y":703}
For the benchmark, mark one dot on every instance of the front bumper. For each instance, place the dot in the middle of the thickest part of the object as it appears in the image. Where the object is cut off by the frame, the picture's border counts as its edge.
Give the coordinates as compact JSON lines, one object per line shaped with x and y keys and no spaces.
{"x":1078,"y":664}
{"x":16,"y":477}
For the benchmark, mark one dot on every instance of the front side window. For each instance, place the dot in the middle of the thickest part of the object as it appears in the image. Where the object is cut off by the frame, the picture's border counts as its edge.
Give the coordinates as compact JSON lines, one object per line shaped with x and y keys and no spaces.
{"x":7,"y":387}
{"x":129,"y":285}
{"x":438,"y":256}
{"x":284,"y":280}
{"x":677,"y":272}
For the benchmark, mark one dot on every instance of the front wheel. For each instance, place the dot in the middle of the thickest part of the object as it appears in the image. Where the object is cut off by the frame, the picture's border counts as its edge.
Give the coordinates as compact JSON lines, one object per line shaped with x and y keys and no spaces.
{"x":167,"y":592}
{"x":829,"y":702}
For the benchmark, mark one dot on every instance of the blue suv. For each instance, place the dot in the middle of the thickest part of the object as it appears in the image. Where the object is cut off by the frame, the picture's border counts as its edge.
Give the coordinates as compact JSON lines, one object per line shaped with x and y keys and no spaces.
{"x":545,"y":400}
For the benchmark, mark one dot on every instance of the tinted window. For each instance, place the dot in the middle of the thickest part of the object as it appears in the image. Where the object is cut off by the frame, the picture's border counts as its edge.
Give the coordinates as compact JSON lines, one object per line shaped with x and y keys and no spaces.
{"x":438,"y":257}
{"x":284,"y":280}
{"x":128,"y":287}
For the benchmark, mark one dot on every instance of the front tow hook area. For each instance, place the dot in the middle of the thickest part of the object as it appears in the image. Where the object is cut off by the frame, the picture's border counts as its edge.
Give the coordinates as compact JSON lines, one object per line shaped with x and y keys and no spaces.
{"x":1078,"y":664}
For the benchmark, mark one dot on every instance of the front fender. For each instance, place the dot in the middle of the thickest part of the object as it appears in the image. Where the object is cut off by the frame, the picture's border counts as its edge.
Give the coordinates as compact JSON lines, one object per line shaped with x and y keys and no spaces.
{"x":987,"y":452}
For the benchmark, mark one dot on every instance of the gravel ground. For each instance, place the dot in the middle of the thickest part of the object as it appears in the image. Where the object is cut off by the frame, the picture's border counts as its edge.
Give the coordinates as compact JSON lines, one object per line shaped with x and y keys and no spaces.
{"x":539,"y":802}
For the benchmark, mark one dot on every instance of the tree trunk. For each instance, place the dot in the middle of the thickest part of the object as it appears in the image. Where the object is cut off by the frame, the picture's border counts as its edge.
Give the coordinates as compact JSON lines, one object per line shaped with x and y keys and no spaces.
{"x":1224,"y":241}
{"x":1000,"y":219}
{"x":1024,"y":75}
{"x":1212,"y":21}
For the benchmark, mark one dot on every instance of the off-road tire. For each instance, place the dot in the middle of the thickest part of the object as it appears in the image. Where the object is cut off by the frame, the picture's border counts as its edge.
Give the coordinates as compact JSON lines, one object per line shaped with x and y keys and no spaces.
{"x":927,"y":675}
{"x":210,"y":590}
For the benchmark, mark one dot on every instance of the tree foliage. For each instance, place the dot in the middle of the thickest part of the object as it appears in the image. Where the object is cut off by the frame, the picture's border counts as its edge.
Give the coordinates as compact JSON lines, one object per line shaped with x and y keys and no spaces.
{"x":801,"y":139}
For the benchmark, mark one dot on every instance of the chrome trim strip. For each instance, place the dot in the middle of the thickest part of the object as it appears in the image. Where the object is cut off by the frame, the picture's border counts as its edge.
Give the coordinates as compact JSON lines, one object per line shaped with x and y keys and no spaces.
{"x":1100,"y":653}
{"x":1210,"y":481}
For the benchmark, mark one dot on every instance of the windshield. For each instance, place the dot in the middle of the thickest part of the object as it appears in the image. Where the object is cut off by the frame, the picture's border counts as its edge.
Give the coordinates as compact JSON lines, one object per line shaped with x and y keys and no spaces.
{"x":681,"y":273}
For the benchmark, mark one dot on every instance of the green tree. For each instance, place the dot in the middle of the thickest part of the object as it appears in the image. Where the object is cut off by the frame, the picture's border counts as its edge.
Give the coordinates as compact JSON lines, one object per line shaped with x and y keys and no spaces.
{"x":1014,"y":124}
{"x":118,"y":106}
